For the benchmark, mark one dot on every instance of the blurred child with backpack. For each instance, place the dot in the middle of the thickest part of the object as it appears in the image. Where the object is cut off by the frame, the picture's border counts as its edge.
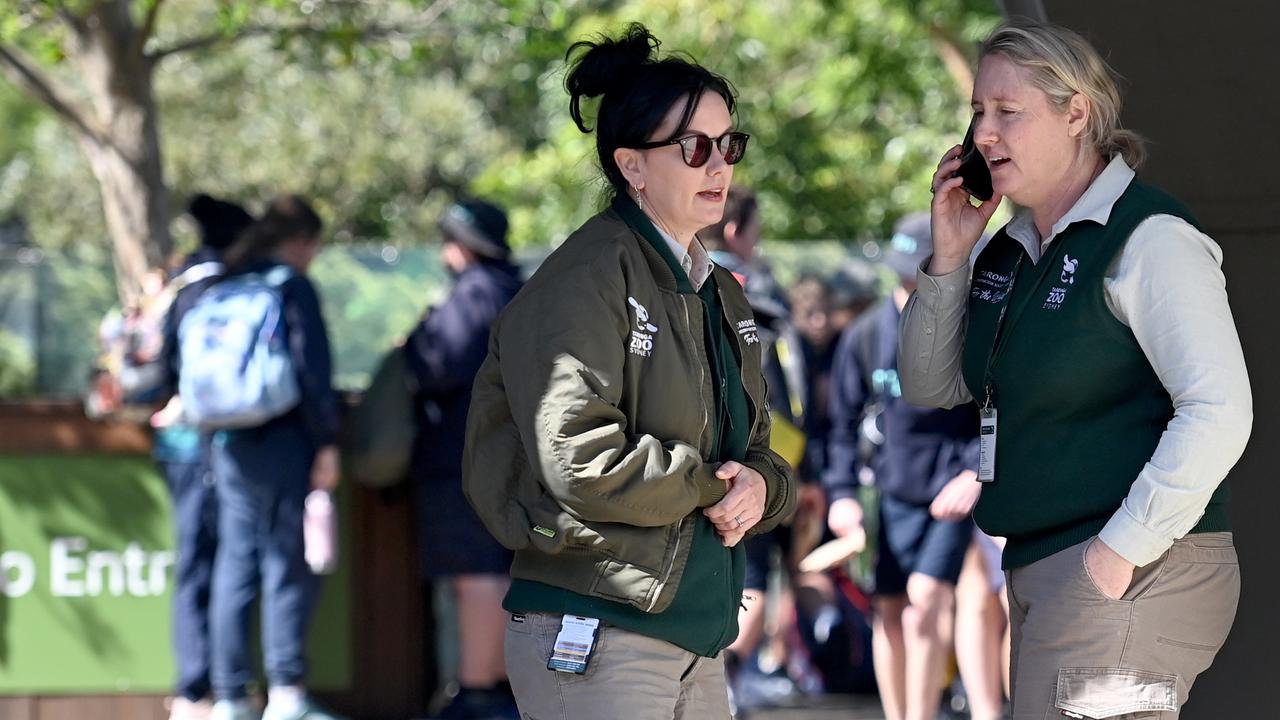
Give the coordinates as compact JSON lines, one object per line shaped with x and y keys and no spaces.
{"x":182,"y":452}
{"x":256,"y":368}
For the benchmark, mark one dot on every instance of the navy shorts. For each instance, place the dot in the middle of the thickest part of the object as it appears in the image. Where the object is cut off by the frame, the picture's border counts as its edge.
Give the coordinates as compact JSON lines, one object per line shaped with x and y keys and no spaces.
{"x":759,"y":550}
{"x":453,"y":539}
{"x":912,"y":541}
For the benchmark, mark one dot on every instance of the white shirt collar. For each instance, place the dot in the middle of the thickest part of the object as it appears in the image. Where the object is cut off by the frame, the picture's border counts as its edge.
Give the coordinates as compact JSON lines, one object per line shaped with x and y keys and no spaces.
{"x":695,"y":261}
{"x":1095,"y":204}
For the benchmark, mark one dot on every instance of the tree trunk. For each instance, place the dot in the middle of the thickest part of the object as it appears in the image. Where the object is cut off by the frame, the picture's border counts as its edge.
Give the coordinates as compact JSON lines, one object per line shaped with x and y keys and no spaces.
{"x":125,"y":154}
{"x":957,"y":61}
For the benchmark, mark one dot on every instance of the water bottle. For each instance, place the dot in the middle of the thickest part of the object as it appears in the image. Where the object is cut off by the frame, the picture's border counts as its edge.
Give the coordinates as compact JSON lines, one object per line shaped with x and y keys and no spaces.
{"x":320,"y":532}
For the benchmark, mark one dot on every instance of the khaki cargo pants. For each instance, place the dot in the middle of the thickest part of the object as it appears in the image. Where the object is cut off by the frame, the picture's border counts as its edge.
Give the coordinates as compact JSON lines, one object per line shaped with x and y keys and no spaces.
{"x":1079,"y":654}
{"x":630,"y":677}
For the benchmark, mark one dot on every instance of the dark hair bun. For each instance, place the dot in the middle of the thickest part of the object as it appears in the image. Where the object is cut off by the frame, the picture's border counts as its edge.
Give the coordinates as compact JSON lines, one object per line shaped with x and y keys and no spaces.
{"x":608,"y":64}
{"x":202,"y":206}
{"x":220,"y":221}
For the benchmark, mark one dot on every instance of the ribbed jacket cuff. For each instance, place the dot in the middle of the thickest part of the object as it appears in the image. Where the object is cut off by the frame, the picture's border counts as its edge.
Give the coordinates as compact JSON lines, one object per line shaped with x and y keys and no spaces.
{"x":711,"y":489}
{"x":781,"y":496}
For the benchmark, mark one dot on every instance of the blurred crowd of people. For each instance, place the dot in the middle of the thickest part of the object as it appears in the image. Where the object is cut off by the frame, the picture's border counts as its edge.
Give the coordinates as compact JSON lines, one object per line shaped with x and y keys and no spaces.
{"x":827,"y":339}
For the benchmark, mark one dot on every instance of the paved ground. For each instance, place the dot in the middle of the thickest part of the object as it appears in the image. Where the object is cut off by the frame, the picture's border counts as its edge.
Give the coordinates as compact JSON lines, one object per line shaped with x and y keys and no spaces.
{"x":829,"y":707}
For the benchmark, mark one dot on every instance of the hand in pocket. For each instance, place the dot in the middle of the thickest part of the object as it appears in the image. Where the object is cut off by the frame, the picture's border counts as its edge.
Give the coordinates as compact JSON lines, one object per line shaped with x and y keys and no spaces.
{"x":1110,"y":573}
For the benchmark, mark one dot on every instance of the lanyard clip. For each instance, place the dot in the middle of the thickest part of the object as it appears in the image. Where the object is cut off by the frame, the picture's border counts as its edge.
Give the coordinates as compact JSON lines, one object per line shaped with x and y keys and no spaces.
{"x":986,"y":405}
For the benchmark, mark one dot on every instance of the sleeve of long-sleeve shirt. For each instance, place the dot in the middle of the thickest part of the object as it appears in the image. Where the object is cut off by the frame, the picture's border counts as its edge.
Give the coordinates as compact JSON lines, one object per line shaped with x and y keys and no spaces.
{"x":847,"y":395}
{"x":450,"y":343}
{"x":931,"y":340}
{"x":169,"y":357}
{"x":971,"y":454}
{"x":313,"y":363}
{"x":1167,"y":286}
{"x":171,"y":353}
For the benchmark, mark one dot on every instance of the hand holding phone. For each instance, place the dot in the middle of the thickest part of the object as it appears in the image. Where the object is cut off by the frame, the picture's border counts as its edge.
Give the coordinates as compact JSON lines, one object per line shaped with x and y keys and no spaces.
{"x":956,"y":222}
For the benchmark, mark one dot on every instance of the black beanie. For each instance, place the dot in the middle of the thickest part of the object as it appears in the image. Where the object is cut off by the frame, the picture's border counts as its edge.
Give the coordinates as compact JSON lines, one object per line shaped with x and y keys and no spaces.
{"x":220,"y":221}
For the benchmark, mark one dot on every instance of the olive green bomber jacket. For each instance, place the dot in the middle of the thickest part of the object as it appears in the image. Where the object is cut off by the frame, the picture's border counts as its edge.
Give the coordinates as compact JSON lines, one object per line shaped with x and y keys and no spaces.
{"x":590,"y":421}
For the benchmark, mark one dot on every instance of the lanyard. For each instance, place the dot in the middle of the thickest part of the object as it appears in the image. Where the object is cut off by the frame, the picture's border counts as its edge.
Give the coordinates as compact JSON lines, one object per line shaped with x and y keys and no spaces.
{"x":987,"y":380}
{"x":997,"y":342}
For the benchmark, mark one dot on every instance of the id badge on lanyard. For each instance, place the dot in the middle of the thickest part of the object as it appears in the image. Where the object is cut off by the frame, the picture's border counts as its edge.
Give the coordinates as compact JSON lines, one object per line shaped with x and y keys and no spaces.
{"x":987,"y":414}
{"x":987,"y":444}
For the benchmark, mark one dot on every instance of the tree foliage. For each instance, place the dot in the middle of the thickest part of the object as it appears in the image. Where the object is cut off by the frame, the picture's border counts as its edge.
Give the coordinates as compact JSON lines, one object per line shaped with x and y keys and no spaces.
{"x":849,"y":106}
{"x":383,"y":114}
{"x":269,"y":82}
{"x":385,"y":111}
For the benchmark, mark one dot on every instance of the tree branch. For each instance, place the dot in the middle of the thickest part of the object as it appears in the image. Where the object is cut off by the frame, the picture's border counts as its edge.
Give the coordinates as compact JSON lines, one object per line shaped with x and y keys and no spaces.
{"x":954,"y":59}
{"x":22,"y":72}
{"x":75,"y":22}
{"x":437,"y":9}
{"x":204,"y":41}
{"x":149,"y":23}
{"x":421,"y":23}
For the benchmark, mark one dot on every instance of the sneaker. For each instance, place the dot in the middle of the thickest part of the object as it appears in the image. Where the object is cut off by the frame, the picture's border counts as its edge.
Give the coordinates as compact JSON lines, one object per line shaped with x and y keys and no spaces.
{"x":307,"y":710}
{"x":181,"y":708}
{"x":754,"y":689}
{"x":233,"y":710}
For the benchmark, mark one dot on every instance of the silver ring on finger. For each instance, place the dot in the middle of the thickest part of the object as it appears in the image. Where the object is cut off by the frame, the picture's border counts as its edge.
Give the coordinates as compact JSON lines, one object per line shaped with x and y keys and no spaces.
{"x":738,"y":519}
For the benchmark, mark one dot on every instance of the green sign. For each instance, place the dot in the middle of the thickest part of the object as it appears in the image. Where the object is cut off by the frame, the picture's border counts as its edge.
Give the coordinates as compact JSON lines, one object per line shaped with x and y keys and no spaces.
{"x":86,"y":575}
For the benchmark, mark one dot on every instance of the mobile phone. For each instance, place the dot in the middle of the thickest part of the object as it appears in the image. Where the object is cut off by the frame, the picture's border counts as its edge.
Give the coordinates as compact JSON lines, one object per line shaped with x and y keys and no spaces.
{"x":973,"y":168}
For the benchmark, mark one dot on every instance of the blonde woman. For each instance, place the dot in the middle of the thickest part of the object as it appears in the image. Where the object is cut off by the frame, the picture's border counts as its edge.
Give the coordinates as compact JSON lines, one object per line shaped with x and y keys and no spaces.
{"x":1095,"y":333}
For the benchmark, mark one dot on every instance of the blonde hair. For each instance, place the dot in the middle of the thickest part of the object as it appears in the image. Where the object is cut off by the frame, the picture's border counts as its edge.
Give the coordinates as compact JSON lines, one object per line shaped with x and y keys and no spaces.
{"x":1062,"y":63}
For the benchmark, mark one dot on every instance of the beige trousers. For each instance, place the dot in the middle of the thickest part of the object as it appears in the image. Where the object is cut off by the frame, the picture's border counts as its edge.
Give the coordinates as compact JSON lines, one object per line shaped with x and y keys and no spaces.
{"x":630,"y":677}
{"x":1079,"y":654}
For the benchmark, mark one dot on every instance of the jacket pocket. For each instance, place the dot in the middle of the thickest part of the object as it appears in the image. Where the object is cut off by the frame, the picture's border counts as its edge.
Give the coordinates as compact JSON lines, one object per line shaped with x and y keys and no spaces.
{"x":1101,"y":693}
{"x":626,"y":583}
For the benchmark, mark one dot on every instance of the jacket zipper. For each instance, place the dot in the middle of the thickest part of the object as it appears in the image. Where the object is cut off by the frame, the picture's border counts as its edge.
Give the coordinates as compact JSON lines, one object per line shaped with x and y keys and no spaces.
{"x":738,"y":354}
{"x":671,"y":561}
{"x":675,"y":547}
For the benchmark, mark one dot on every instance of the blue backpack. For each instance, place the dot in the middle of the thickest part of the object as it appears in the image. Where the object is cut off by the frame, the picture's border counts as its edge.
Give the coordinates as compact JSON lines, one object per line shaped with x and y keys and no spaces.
{"x":236,"y":370}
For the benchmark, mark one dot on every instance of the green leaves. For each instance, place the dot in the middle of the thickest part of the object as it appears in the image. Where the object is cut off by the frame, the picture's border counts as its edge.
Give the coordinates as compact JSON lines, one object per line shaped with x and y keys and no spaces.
{"x":848,"y":104}
{"x":384,"y":112}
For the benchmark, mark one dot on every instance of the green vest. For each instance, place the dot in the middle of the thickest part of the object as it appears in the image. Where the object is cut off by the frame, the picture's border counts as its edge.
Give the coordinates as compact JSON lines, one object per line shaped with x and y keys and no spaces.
{"x":703,"y":616}
{"x":1080,"y":408}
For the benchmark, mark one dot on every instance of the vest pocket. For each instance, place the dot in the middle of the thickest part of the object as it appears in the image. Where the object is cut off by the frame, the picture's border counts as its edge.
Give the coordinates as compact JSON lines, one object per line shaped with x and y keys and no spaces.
{"x":1102,"y":693}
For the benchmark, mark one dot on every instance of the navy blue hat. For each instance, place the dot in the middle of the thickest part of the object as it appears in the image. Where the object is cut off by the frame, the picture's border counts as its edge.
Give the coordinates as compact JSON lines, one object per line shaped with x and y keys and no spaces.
{"x":912,"y":242}
{"x":478,"y":226}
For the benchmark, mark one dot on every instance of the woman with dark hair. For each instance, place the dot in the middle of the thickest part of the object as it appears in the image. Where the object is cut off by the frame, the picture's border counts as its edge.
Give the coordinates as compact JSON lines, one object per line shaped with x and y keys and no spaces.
{"x":263,"y":475}
{"x":618,"y":439}
{"x":182,"y":451}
